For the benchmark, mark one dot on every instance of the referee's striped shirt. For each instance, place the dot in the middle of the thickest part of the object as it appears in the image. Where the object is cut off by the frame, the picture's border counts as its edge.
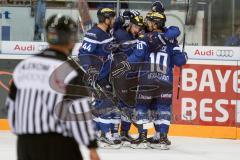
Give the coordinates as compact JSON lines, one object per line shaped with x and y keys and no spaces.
{"x":36,"y":97}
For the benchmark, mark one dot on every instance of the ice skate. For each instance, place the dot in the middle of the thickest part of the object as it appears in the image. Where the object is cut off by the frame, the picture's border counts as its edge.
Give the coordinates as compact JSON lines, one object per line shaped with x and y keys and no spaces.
{"x":126,"y":139}
{"x":141,"y":142}
{"x":108,"y":142}
{"x":164,"y":142}
{"x":117,"y":139}
{"x":154,"y":142}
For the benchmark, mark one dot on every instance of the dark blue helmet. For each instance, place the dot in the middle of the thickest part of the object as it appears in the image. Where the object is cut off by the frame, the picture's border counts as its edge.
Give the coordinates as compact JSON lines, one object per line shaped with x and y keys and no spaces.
{"x":134,"y":17}
{"x":158,"y":7}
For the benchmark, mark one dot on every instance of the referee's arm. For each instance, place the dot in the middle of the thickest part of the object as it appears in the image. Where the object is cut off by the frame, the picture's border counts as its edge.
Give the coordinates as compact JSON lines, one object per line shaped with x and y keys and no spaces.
{"x":10,"y":102}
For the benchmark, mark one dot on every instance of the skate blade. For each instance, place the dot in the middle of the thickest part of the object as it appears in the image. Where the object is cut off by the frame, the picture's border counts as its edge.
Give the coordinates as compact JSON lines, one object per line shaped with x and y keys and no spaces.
{"x":109,"y":146}
{"x":139,"y":146}
{"x":164,"y":147}
{"x":154,"y":146}
{"x":126,"y":144}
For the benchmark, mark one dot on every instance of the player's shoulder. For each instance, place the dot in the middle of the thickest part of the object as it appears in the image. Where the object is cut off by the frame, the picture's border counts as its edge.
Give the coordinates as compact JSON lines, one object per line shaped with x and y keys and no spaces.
{"x":161,"y":36}
{"x":120,"y":31}
{"x":149,"y":37}
{"x":93,"y":33}
{"x":96,"y":33}
{"x":97,"y":36}
{"x":143,"y":37}
{"x":146,"y":35}
{"x":122,"y":35}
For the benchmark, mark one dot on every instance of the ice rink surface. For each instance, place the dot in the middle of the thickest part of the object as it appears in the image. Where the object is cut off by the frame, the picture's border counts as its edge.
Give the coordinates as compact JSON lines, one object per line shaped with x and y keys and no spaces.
{"x":182,"y":148}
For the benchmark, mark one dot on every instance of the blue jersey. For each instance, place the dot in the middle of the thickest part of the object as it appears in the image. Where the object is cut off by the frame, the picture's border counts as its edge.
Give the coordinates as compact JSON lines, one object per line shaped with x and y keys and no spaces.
{"x":127,"y":40}
{"x":118,"y":24}
{"x":128,"y":44}
{"x":94,"y":44}
{"x":160,"y":54}
{"x":121,"y":36}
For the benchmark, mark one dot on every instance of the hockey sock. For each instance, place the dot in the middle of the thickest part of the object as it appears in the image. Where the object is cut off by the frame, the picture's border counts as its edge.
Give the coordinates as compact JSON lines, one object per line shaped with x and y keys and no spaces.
{"x":125,"y":126}
{"x":162,"y":128}
{"x":105,"y":127}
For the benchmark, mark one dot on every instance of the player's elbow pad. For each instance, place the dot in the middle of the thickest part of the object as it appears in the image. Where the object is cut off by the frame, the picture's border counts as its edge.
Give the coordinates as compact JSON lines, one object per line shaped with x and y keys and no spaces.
{"x":180,"y":58}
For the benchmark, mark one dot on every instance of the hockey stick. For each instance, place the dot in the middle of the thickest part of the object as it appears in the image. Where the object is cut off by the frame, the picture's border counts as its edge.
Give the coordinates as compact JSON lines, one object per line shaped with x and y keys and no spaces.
{"x":86,"y":21}
{"x":101,"y":93}
{"x":85,"y":16}
{"x":95,"y":87}
{"x":98,"y":89}
{"x":183,"y":47}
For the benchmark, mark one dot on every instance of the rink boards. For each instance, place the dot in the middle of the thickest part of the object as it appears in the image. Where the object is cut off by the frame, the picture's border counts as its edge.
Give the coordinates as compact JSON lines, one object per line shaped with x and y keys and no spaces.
{"x":209,"y":99}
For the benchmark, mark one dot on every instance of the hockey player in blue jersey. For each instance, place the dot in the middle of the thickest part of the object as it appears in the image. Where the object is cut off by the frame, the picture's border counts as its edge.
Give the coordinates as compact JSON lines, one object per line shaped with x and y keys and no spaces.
{"x":93,"y":47}
{"x":171,"y":32}
{"x":161,"y":55}
{"x":127,"y":29}
{"x":126,"y":33}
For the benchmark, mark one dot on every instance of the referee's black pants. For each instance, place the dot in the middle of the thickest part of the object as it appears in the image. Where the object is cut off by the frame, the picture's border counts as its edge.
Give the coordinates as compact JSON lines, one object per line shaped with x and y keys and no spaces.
{"x":47,"y":147}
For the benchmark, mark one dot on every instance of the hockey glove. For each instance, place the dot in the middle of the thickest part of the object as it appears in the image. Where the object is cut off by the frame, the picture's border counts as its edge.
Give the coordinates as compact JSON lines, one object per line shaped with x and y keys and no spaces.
{"x":91,"y":76}
{"x":172,"y":32}
{"x":129,"y":14}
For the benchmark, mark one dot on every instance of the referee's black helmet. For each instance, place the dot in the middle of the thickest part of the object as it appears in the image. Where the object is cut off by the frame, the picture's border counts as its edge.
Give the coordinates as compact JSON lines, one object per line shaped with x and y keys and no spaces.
{"x":61,"y":29}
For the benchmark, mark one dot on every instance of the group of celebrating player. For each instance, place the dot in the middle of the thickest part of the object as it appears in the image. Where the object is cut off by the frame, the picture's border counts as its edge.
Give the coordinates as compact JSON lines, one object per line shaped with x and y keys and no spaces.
{"x":119,"y":43}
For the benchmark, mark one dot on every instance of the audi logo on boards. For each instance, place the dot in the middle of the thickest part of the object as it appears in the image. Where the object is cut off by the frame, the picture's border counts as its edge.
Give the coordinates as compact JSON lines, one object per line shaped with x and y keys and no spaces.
{"x":224,"y":53}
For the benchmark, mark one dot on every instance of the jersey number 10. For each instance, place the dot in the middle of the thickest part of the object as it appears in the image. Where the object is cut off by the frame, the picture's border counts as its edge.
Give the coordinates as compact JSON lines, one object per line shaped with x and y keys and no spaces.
{"x":159,"y":61}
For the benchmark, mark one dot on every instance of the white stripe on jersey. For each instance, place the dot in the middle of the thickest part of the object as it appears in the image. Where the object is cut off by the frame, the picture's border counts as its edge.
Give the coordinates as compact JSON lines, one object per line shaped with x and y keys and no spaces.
{"x":131,"y":42}
{"x":177,"y":49}
{"x":161,"y":39}
{"x":98,"y":42}
{"x":163,"y":121}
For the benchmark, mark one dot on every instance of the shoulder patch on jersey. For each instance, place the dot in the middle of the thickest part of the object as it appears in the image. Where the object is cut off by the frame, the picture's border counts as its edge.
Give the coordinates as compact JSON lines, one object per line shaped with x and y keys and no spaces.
{"x":93,"y":35}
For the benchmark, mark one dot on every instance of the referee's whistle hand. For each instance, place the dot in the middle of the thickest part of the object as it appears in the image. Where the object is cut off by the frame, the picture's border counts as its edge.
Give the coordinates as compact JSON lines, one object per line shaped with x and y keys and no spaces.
{"x":94,"y":155}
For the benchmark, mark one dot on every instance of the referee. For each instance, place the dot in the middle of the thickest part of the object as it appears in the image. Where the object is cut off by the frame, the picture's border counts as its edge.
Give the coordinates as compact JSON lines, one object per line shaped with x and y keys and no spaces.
{"x":33,"y":102}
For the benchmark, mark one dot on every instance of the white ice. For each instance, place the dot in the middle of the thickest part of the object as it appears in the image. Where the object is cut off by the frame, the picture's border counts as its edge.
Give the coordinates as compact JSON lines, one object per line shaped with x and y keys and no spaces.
{"x":182,"y":148}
